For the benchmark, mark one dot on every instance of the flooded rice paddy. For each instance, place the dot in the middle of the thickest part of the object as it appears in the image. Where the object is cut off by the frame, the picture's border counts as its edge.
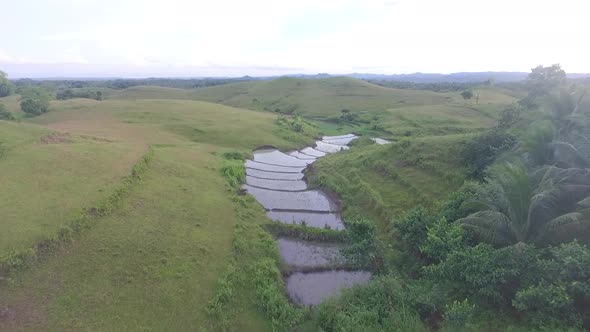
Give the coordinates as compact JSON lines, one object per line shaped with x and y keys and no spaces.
{"x":277,"y":182}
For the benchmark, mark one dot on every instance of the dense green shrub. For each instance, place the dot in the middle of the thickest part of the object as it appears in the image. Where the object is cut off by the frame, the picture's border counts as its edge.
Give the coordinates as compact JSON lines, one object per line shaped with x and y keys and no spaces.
{"x":383,"y":305}
{"x":271,"y":298}
{"x":413,"y":228}
{"x":482,"y":151}
{"x":5,"y":114}
{"x":442,"y":239}
{"x":547,"y":305}
{"x":234,"y":172}
{"x":457,"y":205}
{"x":234,"y":155}
{"x":35,"y":101}
{"x":6,"y":88}
{"x":361,"y":248}
{"x":458,"y":316}
{"x":486,"y":275}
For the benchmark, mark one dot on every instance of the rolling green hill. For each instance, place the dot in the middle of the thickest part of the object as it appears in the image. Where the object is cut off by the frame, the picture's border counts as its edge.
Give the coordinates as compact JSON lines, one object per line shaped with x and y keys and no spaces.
{"x":396,"y":111}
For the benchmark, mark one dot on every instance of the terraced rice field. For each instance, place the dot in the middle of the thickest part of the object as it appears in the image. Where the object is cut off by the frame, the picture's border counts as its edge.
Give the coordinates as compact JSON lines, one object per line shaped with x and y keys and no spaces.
{"x":275,"y":179}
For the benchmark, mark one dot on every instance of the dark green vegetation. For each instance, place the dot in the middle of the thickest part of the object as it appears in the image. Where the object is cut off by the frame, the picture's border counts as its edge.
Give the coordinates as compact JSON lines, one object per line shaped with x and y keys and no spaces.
{"x":507,"y":250}
{"x":123,"y":211}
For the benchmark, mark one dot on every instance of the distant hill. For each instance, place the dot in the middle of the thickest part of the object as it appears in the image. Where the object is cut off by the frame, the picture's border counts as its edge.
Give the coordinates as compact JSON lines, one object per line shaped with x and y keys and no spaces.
{"x":315,"y":97}
{"x":467,"y":77}
{"x":462,"y":77}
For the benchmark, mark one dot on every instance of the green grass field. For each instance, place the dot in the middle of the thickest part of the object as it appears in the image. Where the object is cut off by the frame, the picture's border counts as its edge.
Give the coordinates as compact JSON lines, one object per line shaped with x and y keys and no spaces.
{"x":155,"y":261}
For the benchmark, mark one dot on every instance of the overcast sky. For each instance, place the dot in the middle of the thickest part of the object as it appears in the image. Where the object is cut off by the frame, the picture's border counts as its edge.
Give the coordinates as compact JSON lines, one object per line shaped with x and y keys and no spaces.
{"x":140,"y":38}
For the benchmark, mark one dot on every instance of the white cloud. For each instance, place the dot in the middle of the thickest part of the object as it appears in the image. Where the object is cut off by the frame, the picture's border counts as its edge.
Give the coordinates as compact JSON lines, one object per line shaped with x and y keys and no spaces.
{"x":316,"y":36}
{"x":4,"y":57}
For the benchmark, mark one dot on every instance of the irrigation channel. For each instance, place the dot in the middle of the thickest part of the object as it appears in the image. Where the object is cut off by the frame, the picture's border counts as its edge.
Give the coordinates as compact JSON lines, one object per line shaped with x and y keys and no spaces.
{"x":276,"y":180}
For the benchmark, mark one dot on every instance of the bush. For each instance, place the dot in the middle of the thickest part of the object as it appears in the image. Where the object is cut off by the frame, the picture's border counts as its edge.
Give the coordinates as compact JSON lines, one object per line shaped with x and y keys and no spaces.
{"x":458,"y":316}
{"x":382,"y":305}
{"x":234,"y":155}
{"x":6,"y":88}
{"x":5,"y":114}
{"x":547,"y":305}
{"x":442,"y":239}
{"x":234,"y":172}
{"x":413,"y":228}
{"x":361,"y":248}
{"x":486,"y":275}
{"x":35,"y":101}
{"x":484,"y":149}
{"x":456,"y":207}
{"x":271,"y":298}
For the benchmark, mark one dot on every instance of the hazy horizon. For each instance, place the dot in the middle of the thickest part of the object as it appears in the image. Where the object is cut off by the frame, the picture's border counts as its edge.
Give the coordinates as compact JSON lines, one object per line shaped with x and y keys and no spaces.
{"x":180,"y":38}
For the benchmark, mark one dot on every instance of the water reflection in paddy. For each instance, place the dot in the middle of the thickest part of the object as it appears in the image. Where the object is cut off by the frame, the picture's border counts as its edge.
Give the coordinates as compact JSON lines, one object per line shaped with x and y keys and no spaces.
{"x":274,"y":175}
{"x":313,"y":287}
{"x":276,"y":157}
{"x":304,"y":254}
{"x":284,"y":185}
{"x":310,"y":219}
{"x":311,"y":200}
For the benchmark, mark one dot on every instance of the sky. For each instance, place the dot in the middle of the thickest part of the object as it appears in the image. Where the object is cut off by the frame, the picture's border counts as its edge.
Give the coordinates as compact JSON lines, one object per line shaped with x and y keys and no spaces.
{"x":192,"y":38}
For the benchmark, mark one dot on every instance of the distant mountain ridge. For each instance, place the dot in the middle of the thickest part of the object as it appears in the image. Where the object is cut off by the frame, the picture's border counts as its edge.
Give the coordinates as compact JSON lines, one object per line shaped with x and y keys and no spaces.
{"x":461,"y":77}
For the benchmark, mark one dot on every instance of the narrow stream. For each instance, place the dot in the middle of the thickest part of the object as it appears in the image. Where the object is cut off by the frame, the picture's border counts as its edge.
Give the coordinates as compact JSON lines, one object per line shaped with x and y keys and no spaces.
{"x":275,"y":179}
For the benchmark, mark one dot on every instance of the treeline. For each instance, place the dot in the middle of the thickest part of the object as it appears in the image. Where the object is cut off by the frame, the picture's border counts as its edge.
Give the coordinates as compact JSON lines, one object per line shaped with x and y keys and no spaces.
{"x":181,"y":83}
{"x":436,"y":87}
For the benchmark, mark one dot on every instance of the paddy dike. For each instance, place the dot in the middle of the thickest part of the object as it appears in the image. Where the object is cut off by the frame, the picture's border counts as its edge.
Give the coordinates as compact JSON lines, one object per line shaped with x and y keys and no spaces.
{"x":317,"y":270}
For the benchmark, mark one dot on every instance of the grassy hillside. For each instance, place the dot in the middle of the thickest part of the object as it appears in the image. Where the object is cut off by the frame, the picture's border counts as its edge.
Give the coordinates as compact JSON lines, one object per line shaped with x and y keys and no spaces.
{"x":52,"y":179}
{"x":384,"y":181}
{"x":377,"y":109}
{"x":316,"y":98}
{"x":152,"y":260}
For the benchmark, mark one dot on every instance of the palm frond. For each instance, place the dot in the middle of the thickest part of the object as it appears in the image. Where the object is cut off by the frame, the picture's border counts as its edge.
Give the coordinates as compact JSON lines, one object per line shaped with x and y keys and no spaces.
{"x":566,"y":154}
{"x":566,"y":227}
{"x":490,"y":226}
{"x":585,"y":203}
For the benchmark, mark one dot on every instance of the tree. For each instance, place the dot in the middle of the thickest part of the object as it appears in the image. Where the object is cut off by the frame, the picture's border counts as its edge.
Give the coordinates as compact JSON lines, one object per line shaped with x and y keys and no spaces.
{"x":541,"y":80}
{"x":6,"y":88}
{"x":99,"y":95}
{"x":35,"y":101}
{"x":467,"y":94}
{"x":522,"y":209}
{"x":442,"y":239}
{"x":483,"y":150}
{"x":347,"y":115}
{"x":5,"y":114}
{"x":536,"y":141}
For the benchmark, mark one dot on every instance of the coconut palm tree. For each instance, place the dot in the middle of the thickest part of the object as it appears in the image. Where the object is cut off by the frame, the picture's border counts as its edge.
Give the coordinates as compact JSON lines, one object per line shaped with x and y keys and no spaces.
{"x":540,"y":208}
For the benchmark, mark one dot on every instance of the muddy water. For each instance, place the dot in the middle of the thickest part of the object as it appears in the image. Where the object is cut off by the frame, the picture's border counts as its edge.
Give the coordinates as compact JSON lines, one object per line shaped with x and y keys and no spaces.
{"x":273,"y":175}
{"x":326,"y":138}
{"x":313,"y":152}
{"x":340,"y":141}
{"x":312,"y":288}
{"x":304,"y":254}
{"x":311,"y":200}
{"x":276,"y":157}
{"x":283,"y":185}
{"x":272,"y":168}
{"x":329,"y":148}
{"x":311,"y":219}
{"x":302,"y":156}
{"x":380,"y":141}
